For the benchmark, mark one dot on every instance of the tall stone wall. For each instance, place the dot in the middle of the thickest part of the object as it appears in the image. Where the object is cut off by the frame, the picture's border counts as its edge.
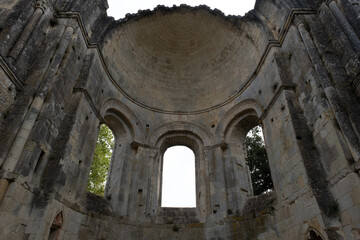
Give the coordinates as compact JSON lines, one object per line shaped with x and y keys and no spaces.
{"x":179,"y":76}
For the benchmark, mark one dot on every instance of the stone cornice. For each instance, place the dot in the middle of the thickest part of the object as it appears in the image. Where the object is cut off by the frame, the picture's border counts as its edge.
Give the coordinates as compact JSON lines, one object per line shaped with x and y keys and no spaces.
{"x":12,"y":76}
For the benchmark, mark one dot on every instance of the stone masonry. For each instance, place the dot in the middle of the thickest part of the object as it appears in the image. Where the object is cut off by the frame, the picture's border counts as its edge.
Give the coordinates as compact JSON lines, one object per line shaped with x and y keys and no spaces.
{"x":179,"y":76}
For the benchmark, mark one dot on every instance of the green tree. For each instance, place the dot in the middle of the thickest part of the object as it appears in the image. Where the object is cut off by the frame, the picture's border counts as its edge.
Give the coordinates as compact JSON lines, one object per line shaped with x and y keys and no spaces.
{"x":100,"y":165}
{"x":257,"y":161}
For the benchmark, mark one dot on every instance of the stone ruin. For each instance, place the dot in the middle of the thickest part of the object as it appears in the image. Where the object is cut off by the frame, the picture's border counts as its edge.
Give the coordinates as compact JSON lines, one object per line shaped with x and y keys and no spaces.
{"x":179,"y":76}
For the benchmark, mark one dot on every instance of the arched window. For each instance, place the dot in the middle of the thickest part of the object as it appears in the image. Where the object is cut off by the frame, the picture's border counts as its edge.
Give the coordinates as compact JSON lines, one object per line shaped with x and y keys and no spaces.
{"x":314,"y":235}
{"x":178,"y":178}
{"x":257,"y":160}
{"x":101,"y":161}
{"x":56,"y":227}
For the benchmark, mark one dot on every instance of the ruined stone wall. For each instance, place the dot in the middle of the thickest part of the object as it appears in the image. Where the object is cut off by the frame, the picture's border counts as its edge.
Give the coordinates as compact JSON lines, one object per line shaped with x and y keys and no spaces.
{"x":179,"y":76}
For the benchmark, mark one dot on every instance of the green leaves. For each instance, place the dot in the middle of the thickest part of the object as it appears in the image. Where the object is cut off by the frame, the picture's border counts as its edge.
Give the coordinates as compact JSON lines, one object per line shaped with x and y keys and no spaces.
{"x":257,"y":161}
{"x":100,"y":165}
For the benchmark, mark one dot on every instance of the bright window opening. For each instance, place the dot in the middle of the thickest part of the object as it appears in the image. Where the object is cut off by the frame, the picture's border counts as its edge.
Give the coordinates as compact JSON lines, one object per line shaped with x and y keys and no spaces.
{"x":178,"y":178}
{"x":257,"y":160}
{"x":100,"y":164}
{"x":118,"y":9}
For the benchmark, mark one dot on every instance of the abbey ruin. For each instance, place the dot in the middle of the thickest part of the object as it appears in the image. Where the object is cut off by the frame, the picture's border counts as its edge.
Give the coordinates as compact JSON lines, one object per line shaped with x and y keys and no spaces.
{"x":179,"y":76}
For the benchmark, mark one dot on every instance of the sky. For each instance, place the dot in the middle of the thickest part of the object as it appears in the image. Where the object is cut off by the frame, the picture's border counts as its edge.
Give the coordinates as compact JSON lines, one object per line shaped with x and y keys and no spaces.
{"x":178,"y":183}
{"x":119,"y":8}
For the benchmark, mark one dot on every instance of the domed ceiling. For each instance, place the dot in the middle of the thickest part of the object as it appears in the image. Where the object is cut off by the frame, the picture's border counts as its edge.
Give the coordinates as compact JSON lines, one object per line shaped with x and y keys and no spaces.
{"x":181,"y":60}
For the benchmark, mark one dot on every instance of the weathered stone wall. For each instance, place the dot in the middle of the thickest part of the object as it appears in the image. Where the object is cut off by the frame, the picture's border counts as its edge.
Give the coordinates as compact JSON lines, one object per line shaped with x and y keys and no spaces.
{"x":179,"y":76}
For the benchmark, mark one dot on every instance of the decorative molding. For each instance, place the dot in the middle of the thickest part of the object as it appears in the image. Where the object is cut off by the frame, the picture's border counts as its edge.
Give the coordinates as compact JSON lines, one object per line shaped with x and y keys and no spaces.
{"x":222,"y":145}
{"x":135,"y":145}
{"x":356,"y":81}
{"x":179,"y":126}
{"x":12,"y":76}
{"x":274,"y":99}
{"x":91,"y":103}
{"x":272,"y":43}
{"x":42,"y":4}
{"x":125,"y":113}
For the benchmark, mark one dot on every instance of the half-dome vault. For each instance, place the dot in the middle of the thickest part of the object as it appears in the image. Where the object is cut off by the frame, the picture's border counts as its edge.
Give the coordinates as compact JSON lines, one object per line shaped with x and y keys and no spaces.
{"x":183,"y":59}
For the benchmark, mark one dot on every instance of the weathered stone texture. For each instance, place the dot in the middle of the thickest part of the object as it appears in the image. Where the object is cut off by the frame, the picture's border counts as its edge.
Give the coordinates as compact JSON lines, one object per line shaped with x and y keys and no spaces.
{"x":179,"y":76}
{"x":7,"y":95}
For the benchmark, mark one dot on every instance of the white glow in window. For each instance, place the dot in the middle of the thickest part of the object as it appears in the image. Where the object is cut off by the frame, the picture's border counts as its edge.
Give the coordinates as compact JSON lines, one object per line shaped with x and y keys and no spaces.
{"x":178,"y":178}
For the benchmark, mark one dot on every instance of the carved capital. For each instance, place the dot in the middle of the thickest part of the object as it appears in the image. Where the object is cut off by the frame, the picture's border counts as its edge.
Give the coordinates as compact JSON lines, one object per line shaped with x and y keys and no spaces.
{"x":153,"y":154}
{"x":42,"y":4}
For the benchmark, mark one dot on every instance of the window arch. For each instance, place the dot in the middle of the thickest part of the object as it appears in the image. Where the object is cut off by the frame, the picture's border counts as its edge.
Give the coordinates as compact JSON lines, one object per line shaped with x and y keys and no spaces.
{"x":190,"y":139}
{"x":238,"y":178}
{"x":314,"y":235}
{"x":178,"y":178}
{"x":56,"y":227}
{"x":117,"y":189}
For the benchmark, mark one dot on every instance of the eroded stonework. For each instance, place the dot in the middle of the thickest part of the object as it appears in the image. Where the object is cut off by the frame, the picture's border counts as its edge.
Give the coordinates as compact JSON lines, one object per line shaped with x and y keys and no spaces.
{"x":179,"y":76}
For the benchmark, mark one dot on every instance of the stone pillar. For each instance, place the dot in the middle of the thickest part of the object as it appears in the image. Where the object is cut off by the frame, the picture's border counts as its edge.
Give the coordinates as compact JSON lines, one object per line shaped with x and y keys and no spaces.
{"x":202,"y":185}
{"x":315,"y":171}
{"x":25,"y":34}
{"x":331,"y":94}
{"x":4,"y":183}
{"x":30,"y":118}
{"x":218,"y":189}
{"x":127,"y":175}
{"x":138,"y":191}
{"x":120,"y":175}
{"x":153,"y":187}
{"x":237,"y":177}
{"x":345,"y":25}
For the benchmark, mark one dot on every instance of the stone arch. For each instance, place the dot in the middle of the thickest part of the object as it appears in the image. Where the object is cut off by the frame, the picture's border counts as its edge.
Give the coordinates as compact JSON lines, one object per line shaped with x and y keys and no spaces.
{"x":242,"y":122}
{"x":313,"y":234}
{"x":192,"y":128}
{"x":120,"y":125}
{"x":126,"y":128}
{"x":56,"y":226}
{"x":232,"y":130}
{"x":194,"y":141}
{"x":234,"y":113}
{"x":116,"y":108}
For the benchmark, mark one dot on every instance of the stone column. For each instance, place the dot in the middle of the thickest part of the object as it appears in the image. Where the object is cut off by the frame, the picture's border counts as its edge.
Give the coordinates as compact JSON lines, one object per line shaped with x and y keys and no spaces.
{"x":218,"y":189}
{"x":4,"y":183}
{"x":330,"y":92}
{"x":202,"y":185}
{"x":153,"y":183}
{"x":123,"y":197}
{"x":345,"y":25}
{"x":139,"y":183}
{"x":25,"y":34}
{"x":237,"y":177}
{"x":30,"y":118}
{"x":315,"y":171}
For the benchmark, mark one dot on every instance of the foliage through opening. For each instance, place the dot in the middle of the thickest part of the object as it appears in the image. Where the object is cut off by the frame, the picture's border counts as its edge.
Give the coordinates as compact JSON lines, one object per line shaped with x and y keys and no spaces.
{"x":257,"y":160}
{"x":100,"y":164}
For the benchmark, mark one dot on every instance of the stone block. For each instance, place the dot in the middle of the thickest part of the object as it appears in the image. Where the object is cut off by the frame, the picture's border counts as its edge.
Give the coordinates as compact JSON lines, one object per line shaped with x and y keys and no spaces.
{"x":4,"y":183}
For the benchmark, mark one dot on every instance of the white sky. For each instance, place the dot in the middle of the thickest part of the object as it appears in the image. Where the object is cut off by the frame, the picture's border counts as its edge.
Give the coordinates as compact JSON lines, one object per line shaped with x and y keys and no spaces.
{"x":178,"y":183}
{"x":119,"y":8}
